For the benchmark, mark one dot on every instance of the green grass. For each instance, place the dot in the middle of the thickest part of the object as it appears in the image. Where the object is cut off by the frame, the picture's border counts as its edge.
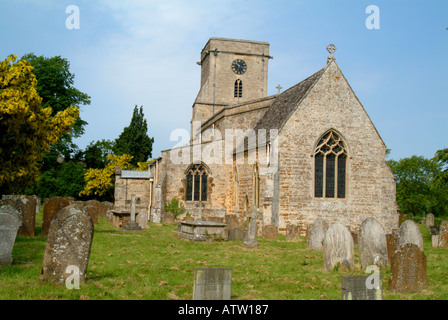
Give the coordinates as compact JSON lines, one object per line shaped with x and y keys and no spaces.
{"x":155,"y":264}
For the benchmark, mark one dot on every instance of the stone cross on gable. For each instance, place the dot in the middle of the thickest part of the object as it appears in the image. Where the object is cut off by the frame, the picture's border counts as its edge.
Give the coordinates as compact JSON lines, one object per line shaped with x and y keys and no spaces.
{"x":331,"y":48}
{"x":279,"y":87}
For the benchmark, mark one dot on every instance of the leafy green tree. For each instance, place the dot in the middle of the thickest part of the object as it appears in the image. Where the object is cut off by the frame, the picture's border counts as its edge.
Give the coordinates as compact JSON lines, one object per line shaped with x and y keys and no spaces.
{"x":416,"y":191}
{"x":134,"y":139}
{"x":64,"y":180}
{"x":441,"y":157}
{"x":95,"y":154}
{"x":55,"y":87}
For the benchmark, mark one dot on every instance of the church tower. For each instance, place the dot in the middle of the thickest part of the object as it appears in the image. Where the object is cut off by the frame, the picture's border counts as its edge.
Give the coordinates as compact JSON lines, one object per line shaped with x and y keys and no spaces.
{"x":232,"y":72}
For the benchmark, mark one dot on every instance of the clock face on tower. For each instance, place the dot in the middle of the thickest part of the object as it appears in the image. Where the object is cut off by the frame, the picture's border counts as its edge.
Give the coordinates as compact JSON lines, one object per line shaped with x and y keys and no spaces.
{"x":239,"y":66}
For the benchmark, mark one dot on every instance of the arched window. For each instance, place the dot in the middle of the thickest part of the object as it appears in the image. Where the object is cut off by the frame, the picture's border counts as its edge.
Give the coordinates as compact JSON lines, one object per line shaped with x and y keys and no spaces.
{"x":330,"y":161}
{"x":256,"y":186}
{"x":238,"y":92}
{"x":196,"y":183}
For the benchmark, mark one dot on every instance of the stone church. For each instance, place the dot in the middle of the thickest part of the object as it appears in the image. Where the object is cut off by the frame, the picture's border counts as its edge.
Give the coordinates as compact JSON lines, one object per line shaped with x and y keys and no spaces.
{"x":308,"y":152}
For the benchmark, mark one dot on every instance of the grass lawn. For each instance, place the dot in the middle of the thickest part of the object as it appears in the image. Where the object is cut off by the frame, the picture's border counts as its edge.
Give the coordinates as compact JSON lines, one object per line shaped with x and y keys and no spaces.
{"x":157,"y":265}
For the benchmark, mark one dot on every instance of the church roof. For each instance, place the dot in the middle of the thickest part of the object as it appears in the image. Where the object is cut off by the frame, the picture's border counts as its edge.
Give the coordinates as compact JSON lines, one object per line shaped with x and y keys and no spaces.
{"x":286,"y":102}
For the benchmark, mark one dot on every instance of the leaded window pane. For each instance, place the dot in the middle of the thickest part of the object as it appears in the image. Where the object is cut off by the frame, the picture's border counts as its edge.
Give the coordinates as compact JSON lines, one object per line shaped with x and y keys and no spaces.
{"x":197,"y":185}
{"x":189,"y":187}
{"x":319,"y":175}
{"x":204,"y":188}
{"x":341,"y":175}
{"x":329,"y":176}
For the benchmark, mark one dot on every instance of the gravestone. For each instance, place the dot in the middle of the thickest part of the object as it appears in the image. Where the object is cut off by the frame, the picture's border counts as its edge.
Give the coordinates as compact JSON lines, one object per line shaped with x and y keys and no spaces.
{"x":372,"y":244}
{"x":429,"y":220}
{"x":316,"y":233}
{"x":169,"y":218}
{"x":132,"y":224}
{"x":409,"y":233}
{"x":443,"y":235}
{"x":212,"y":284}
{"x":51,"y":207}
{"x":292,"y":231}
{"x":391,"y":240}
{"x":338,"y":248}
{"x":435,"y":240}
{"x":356,"y":288}
{"x":10,"y":221}
{"x":92,"y":211}
{"x":408,"y":269}
{"x":68,"y":244}
{"x":236,"y":234}
{"x":28,"y":207}
{"x":103,"y":207}
{"x":270,"y":232}
{"x":250,"y":241}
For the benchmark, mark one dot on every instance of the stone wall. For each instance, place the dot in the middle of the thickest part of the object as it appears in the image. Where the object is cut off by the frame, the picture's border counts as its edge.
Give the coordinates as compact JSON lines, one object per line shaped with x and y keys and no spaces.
{"x":370,"y":185}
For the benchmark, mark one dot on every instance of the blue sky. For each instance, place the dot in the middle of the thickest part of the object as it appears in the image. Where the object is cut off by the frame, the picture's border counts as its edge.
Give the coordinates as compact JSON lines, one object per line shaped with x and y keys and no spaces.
{"x":129,"y":53}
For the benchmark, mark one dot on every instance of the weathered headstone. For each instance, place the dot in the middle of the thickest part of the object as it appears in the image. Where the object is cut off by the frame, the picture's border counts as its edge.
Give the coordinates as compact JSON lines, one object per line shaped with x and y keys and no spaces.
{"x":292,"y":231}
{"x":338,"y":248}
{"x":391,"y":239}
{"x":104,"y":207}
{"x":372,"y":244}
{"x":443,"y":235}
{"x":51,"y":207}
{"x":409,"y":233}
{"x":357,"y":288}
{"x":270,"y":232}
{"x":236,"y":234}
{"x":28,"y":207}
{"x":212,"y":284}
{"x":68,"y":244}
{"x":408,"y":269}
{"x":429,"y":220}
{"x":250,"y":241}
{"x":316,"y":233}
{"x":435,"y":240}
{"x":169,"y":218}
{"x":10,"y":221}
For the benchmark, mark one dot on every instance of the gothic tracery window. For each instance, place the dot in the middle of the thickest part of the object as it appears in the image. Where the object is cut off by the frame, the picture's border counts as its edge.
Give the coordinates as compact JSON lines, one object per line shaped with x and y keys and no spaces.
{"x":238,"y":92}
{"x":196,"y":183}
{"x":330,"y":161}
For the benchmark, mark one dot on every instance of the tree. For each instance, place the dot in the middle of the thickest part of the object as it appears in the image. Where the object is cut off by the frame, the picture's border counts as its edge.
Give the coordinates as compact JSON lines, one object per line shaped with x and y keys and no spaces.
{"x":100,"y":182}
{"x":27,"y":130}
{"x":66,"y":180}
{"x":55,"y":87}
{"x":95,"y":154}
{"x":416,"y":191}
{"x":134,"y":139}
{"x":441,"y":157}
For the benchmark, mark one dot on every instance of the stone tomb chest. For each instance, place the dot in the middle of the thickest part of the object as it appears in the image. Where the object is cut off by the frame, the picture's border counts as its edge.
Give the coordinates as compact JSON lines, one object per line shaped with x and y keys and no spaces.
{"x":202,"y":230}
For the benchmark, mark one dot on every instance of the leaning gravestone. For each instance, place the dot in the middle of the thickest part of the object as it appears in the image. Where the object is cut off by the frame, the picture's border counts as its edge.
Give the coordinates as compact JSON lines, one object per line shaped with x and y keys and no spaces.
{"x":338,"y":248}
{"x":10,"y":221}
{"x":357,"y":288}
{"x":408,"y":269}
{"x":51,"y":207}
{"x":68,"y":244}
{"x":212,"y":284}
{"x":429,"y":220}
{"x":372,"y":244}
{"x":316,"y":233}
{"x":28,"y":206}
{"x":443,"y":235}
{"x":409,"y":233}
